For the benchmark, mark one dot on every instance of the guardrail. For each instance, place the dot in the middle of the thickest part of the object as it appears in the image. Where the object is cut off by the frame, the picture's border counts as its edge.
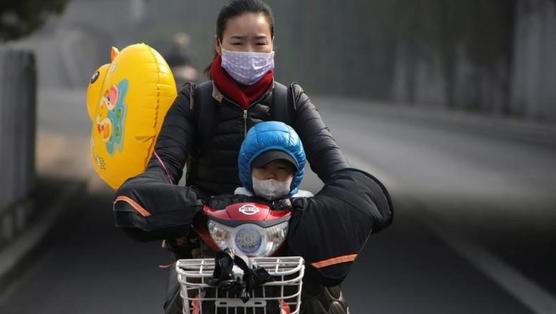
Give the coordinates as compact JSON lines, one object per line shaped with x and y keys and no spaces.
{"x":18,"y":90}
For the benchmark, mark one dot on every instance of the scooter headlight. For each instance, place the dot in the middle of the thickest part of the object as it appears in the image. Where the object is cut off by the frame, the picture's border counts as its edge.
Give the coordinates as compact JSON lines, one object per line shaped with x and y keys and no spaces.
{"x":220,"y":234}
{"x":275,"y":236}
{"x":249,"y":239}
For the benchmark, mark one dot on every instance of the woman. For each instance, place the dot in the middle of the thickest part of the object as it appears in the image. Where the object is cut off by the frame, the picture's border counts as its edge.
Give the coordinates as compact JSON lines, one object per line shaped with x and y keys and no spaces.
{"x":206,"y":125}
{"x":205,"y":128}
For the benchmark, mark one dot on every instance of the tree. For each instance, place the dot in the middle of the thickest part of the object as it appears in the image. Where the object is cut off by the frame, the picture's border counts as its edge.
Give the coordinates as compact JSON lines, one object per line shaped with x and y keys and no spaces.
{"x":20,"y":18}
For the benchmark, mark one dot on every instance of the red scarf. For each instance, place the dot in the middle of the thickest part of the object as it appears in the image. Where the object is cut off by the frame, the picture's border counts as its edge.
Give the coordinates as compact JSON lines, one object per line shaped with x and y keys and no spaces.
{"x":244,"y":95}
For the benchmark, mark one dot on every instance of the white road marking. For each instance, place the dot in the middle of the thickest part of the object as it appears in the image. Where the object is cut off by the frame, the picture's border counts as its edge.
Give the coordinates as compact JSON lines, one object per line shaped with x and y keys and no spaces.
{"x":515,"y":283}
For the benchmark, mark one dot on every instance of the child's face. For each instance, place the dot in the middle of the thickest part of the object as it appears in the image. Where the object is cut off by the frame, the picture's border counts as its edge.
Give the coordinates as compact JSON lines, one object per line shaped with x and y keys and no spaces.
{"x":280,"y":170}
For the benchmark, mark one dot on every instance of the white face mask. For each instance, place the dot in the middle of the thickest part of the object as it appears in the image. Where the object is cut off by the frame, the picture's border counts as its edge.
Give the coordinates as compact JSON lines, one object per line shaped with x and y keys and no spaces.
{"x":271,"y":189}
{"x":247,"y":67}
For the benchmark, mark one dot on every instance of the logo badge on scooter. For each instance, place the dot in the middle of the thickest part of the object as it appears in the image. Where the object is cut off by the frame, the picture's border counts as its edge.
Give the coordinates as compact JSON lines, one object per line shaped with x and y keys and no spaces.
{"x":249,"y":209}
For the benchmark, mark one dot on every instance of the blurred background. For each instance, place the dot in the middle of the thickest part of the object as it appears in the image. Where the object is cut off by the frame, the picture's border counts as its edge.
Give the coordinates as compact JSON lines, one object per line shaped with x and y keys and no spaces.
{"x":451,"y":103}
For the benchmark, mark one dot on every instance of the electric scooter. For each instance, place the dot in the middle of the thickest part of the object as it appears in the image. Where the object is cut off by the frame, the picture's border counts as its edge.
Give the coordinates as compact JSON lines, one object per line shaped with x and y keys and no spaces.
{"x":248,"y":273}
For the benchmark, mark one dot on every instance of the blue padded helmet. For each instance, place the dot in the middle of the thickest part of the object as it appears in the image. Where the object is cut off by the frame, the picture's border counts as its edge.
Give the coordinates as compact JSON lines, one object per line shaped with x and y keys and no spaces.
{"x":267,"y":136}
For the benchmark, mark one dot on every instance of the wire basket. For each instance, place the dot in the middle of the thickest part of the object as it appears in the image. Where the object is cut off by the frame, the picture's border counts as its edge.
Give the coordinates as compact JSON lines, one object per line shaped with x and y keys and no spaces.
{"x":282,"y":295}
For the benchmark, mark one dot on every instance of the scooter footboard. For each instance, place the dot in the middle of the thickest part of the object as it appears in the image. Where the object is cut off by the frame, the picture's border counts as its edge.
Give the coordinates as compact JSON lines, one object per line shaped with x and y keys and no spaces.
{"x":281,"y":295}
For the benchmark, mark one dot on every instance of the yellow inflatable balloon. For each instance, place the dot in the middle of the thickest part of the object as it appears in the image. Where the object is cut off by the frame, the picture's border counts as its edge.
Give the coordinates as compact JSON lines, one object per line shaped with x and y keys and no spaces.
{"x":127,"y":101}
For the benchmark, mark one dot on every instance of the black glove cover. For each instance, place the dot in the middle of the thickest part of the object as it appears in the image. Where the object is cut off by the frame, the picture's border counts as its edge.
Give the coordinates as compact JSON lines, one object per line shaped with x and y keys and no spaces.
{"x":331,"y":228}
{"x":152,"y":210}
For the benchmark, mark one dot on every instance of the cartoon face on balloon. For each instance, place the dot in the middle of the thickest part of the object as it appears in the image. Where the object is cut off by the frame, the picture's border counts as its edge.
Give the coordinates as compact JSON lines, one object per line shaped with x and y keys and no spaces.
{"x":104,"y":128}
{"x":108,"y":111}
{"x":110,"y":116}
{"x":111,"y":97}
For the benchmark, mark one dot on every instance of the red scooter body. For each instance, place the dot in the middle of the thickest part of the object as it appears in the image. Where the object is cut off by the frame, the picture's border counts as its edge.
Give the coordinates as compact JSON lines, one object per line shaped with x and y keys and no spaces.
{"x":237,"y":214}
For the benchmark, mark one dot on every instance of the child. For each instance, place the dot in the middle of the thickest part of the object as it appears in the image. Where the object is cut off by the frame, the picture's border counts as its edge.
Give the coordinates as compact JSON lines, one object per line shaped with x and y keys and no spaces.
{"x":271,"y":162}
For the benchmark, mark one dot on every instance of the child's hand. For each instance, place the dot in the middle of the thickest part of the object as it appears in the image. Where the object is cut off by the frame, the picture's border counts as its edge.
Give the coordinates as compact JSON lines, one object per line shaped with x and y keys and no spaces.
{"x":281,"y":204}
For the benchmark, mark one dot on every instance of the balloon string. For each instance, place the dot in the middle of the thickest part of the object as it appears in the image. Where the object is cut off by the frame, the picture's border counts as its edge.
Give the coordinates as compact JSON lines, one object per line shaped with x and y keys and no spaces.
{"x":164,"y":167}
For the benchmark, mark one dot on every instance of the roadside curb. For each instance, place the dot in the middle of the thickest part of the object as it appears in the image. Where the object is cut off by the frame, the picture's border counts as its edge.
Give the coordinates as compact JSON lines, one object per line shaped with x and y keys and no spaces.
{"x":14,"y":258}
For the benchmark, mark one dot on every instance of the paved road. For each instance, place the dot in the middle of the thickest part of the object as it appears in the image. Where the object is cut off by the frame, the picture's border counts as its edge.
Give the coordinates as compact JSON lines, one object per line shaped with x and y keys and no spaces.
{"x":486,"y":198}
{"x":473,"y":233}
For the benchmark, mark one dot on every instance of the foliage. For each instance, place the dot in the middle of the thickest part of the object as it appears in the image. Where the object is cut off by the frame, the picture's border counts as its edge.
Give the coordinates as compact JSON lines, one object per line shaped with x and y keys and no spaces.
{"x":20,"y":18}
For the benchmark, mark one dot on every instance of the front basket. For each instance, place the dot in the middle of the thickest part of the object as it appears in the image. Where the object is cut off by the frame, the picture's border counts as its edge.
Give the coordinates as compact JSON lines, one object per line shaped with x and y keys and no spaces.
{"x":281,"y":295}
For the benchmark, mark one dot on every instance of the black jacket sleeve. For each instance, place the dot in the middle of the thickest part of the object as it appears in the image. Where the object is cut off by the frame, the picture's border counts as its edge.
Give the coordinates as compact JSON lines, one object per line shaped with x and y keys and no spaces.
{"x":150,"y":206}
{"x":176,"y":137}
{"x":324,"y":155}
{"x":331,"y":228}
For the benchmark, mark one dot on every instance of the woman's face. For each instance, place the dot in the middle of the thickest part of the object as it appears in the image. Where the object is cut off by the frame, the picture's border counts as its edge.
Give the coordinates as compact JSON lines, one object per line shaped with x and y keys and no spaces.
{"x":280,"y":170}
{"x":248,"y":32}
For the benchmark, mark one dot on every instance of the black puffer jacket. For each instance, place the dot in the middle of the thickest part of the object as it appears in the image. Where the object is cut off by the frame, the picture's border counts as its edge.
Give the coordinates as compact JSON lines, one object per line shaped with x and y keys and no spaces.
{"x":211,"y":149}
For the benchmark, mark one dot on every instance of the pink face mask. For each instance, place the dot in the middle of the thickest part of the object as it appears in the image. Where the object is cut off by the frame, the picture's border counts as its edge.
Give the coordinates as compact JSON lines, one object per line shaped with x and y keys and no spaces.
{"x":247,"y":68}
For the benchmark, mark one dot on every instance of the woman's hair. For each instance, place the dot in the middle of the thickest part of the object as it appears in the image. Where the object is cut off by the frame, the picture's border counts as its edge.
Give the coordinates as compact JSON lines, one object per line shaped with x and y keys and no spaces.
{"x":236,"y":8}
